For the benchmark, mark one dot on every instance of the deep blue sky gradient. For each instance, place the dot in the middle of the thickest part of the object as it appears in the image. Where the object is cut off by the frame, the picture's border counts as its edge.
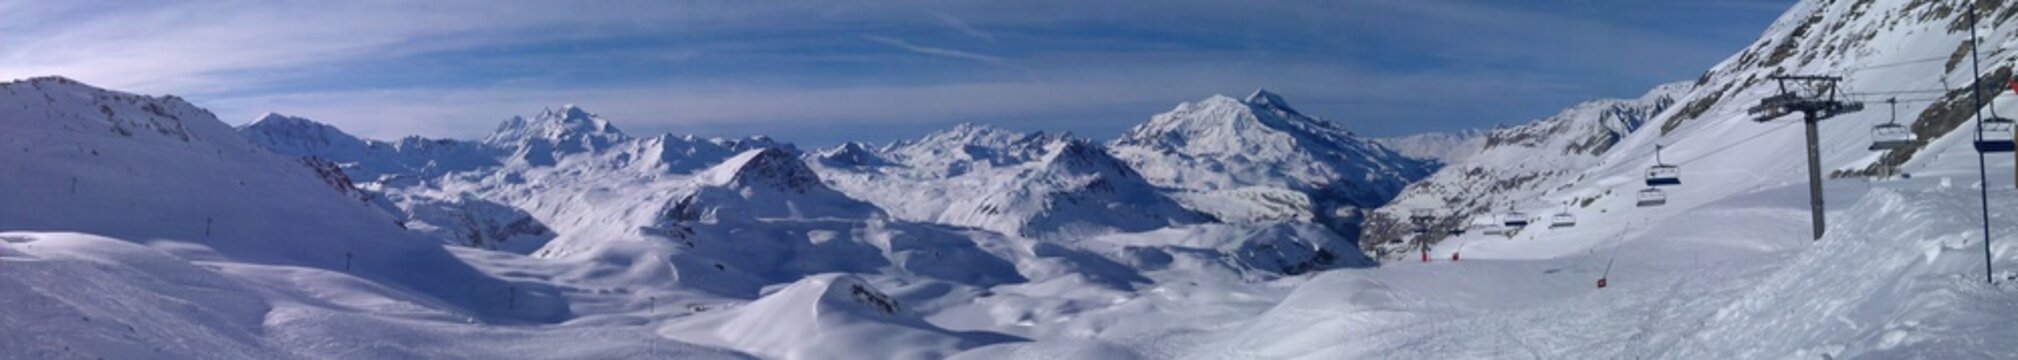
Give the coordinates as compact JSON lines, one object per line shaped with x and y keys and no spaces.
{"x":819,"y":73}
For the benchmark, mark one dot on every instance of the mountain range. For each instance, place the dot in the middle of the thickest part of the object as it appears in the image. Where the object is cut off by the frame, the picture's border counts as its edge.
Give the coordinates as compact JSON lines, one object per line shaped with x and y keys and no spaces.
{"x":142,"y":226}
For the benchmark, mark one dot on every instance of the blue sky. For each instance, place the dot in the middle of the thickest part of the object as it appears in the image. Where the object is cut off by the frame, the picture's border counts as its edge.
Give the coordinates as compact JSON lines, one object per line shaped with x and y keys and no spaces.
{"x":821,"y":72}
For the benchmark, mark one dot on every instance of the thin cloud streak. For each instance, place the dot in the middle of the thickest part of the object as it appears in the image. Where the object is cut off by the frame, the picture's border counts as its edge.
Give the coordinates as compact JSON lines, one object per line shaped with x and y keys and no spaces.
{"x":963,"y":27}
{"x":955,"y":54}
{"x":927,"y":50}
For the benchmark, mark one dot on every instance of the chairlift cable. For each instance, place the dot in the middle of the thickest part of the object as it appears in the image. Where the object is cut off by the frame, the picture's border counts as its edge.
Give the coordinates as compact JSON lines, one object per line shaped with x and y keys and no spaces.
{"x":1895,"y":63}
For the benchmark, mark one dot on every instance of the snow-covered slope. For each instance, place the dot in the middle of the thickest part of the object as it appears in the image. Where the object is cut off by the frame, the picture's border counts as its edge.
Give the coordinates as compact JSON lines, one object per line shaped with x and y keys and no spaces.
{"x":158,"y":168}
{"x":1514,"y":164}
{"x":1725,"y":269}
{"x":1882,"y":49}
{"x":185,"y":189}
{"x":1223,"y":147}
{"x":1441,"y":147}
{"x":828,"y":317}
{"x":1902,"y":277}
{"x":74,"y":295}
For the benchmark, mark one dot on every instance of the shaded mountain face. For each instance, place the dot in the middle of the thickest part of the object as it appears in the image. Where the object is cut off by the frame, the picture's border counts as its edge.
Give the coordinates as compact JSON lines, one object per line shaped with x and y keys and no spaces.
{"x":1228,"y":150}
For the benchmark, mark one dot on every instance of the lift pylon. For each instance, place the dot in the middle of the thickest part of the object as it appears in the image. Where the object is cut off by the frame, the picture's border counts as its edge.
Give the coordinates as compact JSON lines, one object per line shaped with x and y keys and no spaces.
{"x":1820,"y":103}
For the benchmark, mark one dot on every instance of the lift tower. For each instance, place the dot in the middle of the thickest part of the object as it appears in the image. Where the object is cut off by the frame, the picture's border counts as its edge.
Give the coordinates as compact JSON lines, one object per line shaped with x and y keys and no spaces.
{"x":1820,"y":103}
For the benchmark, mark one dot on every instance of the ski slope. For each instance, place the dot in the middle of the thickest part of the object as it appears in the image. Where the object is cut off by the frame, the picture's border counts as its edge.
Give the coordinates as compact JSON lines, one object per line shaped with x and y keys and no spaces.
{"x":1899,"y":275}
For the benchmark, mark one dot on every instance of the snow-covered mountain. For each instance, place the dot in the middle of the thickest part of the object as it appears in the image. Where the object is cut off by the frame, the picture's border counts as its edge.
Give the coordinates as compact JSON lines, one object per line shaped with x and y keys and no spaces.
{"x":554,"y":133}
{"x":1035,"y":184}
{"x":1258,"y":159}
{"x":843,"y":310}
{"x":365,"y":159}
{"x":1912,"y":51}
{"x":1514,"y":164}
{"x":209,"y":220}
{"x":1441,"y":147}
{"x":1211,"y":231}
{"x":1726,"y":267}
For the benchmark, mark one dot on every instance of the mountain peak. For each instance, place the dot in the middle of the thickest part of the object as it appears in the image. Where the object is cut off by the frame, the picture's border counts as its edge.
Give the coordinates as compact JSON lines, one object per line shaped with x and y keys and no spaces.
{"x":971,"y":131}
{"x":299,"y":136}
{"x":770,"y":167}
{"x":560,"y":125}
{"x":570,"y":112}
{"x":1263,"y":98}
{"x":1083,"y":155}
{"x":57,"y":79}
{"x":850,"y":154}
{"x":973,"y":134}
{"x":274,"y":119}
{"x":275,"y":126}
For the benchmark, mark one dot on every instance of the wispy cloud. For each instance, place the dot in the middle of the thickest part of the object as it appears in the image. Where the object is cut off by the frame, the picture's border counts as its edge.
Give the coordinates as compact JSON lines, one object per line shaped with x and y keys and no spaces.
{"x":208,"y":46}
{"x":963,"y":27}
{"x":955,"y":54}
{"x":934,"y":51}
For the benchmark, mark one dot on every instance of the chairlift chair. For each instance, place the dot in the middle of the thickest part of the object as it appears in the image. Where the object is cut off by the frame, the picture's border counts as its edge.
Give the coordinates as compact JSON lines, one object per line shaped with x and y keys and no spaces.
{"x":1995,"y":137}
{"x":1652,"y":197}
{"x":1516,"y":219}
{"x":1562,"y":220}
{"x":1891,"y":135}
{"x":1662,"y":174}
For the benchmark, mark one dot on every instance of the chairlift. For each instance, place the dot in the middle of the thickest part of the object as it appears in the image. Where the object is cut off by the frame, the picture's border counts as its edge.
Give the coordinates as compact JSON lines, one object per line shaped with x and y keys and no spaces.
{"x":1562,"y":219}
{"x":1515,"y":219}
{"x":1891,"y":135}
{"x":1662,"y":174}
{"x":1652,"y":197}
{"x":1995,"y":136}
